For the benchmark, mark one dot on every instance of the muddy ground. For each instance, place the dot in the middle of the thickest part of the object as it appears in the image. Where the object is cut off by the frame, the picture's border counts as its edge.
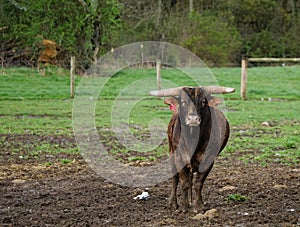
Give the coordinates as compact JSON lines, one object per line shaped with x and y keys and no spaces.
{"x":72,"y":194}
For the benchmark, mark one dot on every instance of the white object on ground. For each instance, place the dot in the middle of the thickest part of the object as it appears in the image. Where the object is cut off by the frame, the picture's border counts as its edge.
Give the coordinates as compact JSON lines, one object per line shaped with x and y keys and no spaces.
{"x":143,"y":196}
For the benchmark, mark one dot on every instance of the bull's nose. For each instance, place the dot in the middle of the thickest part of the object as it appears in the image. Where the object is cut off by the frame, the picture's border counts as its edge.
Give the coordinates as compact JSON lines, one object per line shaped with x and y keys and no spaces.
{"x":193,"y":120}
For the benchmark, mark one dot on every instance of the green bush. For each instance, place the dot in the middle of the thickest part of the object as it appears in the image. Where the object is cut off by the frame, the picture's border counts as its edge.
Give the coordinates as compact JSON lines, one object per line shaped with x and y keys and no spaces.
{"x":80,"y":28}
{"x":209,"y":37}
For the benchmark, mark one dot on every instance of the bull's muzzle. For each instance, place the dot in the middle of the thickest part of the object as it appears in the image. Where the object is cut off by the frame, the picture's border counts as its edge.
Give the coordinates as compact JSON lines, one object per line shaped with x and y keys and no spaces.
{"x":192,"y":120}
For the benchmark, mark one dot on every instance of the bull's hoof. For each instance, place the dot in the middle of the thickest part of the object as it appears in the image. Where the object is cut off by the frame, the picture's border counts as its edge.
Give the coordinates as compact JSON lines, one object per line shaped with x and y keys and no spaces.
{"x":184,"y":208}
{"x":181,"y":211}
{"x":196,"y":211}
{"x":197,"y":208}
{"x":173,"y":204}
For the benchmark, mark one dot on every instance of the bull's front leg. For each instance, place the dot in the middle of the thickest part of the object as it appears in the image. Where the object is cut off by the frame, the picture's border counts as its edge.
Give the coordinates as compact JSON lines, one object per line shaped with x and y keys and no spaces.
{"x":173,"y":198}
{"x":198,"y":184}
{"x":185,"y":182}
{"x":198,"y":181}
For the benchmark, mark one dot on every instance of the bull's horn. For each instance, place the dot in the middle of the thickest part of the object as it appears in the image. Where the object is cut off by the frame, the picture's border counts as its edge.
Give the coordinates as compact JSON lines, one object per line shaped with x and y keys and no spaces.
{"x":166,"y":92}
{"x":218,"y":90}
{"x":176,"y":91}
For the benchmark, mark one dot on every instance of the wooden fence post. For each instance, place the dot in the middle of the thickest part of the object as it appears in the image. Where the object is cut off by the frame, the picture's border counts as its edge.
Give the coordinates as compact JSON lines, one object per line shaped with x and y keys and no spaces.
{"x":142,"y":55}
{"x":244,"y":77}
{"x":72,"y":77}
{"x":158,"y":73}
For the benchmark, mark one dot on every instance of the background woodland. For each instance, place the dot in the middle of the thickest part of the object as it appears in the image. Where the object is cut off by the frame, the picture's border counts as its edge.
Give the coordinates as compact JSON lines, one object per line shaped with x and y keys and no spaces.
{"x":220,"y":32}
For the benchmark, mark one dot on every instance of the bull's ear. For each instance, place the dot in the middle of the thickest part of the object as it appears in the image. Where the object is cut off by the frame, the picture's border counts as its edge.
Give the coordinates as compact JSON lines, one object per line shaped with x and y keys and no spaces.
{"x":171,"y":100}
{"x":214,"y":101}
{"x":173,"y":103}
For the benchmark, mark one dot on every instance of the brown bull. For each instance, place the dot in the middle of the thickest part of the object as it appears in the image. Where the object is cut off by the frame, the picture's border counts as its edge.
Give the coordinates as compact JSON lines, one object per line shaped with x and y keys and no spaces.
{"x":198,"y":131}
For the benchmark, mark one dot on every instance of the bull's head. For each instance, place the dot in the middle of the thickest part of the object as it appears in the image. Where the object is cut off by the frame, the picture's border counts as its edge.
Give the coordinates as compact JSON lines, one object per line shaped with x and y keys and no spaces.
{"x":191,"y":102}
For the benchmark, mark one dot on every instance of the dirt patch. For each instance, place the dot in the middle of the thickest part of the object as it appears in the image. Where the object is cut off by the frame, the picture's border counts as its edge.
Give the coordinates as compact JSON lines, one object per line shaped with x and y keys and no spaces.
{"x":72,"y":194}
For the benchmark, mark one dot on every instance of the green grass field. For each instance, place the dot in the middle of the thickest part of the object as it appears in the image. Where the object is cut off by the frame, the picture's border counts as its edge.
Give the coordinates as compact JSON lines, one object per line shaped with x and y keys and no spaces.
{"x":33,"y":104}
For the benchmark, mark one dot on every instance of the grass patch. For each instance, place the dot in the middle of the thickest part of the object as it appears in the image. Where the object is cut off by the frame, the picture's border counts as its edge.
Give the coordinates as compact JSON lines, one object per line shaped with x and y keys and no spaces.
{"x":48,"y":164}
{"x":66,"y":161}
{"x":141,"y":158}
{"x":237,"y":197}
{"x":39,"y":106}
{"x":26,"y":83}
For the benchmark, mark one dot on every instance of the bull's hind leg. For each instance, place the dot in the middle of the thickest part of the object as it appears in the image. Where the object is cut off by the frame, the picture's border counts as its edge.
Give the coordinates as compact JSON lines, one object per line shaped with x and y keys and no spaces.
{"x":173,"y":197}
{"x":198,"y":181}
{"x":185,"y":182}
